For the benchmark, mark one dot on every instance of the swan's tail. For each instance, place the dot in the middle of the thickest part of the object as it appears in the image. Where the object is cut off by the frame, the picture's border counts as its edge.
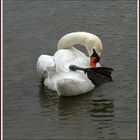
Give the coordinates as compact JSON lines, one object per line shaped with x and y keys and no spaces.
{"x":44,"y":63}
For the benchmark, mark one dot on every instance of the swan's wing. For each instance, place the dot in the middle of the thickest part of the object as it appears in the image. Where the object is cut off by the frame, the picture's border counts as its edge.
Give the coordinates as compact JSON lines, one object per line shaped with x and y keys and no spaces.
{"x":44,"y":64}
{"x":63,"y":58}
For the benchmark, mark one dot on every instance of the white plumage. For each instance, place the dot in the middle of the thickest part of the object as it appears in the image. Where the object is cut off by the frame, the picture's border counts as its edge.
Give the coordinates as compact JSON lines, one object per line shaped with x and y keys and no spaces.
{"x":55,"y":69}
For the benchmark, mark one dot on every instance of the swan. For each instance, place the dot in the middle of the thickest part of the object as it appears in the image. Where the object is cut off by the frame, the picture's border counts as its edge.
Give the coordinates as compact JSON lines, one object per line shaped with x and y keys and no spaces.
{"x":55,"y":71}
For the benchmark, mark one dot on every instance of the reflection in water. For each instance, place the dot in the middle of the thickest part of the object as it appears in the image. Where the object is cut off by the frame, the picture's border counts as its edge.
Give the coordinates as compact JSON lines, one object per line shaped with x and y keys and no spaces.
{"x":48,"y":99}
{"x":66,"y":107}
{"x":101,"y":112}
{"x":70,"y":107}
{"x":90,"y":109}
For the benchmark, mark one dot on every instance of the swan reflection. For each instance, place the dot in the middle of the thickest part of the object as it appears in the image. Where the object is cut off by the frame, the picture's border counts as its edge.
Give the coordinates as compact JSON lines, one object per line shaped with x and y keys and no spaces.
{"x":82,"y":116}
{"x":102,"y":114}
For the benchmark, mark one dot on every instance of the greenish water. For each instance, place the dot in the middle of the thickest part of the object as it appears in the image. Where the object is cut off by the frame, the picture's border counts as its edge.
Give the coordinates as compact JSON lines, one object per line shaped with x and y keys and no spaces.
{"x":32,"y":28}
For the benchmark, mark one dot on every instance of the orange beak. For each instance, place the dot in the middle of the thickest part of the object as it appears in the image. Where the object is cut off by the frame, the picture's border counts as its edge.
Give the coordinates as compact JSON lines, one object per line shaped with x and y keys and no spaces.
{"x":93,"y":61}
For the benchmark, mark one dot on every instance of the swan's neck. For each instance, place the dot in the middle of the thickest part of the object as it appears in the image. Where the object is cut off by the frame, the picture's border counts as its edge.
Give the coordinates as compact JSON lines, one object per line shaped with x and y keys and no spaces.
{"x":89,"y":40}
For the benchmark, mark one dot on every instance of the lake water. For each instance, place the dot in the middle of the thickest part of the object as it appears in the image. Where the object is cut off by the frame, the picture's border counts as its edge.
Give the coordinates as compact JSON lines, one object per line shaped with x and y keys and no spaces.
{"x":31,"y":111}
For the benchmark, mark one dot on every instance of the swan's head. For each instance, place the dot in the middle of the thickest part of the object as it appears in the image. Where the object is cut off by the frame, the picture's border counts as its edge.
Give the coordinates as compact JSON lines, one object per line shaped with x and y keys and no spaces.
{"x":94,"y":59}
{"x":94,"y":52}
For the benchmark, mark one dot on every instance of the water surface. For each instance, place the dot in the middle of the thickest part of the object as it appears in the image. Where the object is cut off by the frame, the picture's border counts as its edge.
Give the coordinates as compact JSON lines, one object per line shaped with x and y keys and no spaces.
{"x":31,"y":111}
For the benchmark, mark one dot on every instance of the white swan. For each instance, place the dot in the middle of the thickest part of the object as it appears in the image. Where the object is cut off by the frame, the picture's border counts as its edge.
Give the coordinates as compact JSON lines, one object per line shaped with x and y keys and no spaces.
{"x":55,"y":69}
